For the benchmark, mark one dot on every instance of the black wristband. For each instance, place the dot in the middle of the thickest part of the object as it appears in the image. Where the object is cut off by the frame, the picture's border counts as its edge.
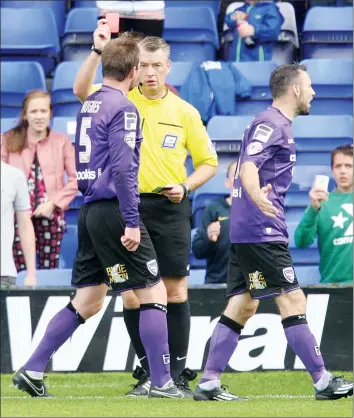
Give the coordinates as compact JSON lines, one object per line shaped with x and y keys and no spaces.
{"x":98,"y":52}
{"x":185,"y":190}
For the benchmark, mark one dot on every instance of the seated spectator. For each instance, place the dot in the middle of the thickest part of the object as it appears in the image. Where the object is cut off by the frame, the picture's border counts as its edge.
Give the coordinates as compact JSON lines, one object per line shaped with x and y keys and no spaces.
{"x":141,"y":16}
{"x":212,"y":239}
{"x":256,"y":26}
{"x":43,"y":156}
{"x":15,"y":199}
{"x":330,"y":218}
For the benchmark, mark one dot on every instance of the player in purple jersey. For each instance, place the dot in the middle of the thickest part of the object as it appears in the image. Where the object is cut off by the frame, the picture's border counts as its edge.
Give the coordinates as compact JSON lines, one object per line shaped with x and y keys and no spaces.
{"x":260,"y":265}
{"x":114,"y":248}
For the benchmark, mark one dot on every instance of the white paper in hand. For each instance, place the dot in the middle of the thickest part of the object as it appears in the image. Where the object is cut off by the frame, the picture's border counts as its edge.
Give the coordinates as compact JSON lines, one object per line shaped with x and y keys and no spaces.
{"x":321,"y":182}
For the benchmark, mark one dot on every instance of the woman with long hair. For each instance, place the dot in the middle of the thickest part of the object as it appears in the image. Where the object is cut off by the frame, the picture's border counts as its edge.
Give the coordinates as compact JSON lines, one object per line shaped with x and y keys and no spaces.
{"x":44,"y":156}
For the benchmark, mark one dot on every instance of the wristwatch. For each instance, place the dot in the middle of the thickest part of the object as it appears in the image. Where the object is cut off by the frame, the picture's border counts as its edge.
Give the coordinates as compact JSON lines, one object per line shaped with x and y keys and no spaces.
{"x":94,"y":49}
{"x":185,"y":189}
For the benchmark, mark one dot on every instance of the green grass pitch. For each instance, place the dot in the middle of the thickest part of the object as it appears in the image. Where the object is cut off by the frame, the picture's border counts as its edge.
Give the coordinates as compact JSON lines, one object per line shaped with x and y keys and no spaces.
{"x":271,"y":394}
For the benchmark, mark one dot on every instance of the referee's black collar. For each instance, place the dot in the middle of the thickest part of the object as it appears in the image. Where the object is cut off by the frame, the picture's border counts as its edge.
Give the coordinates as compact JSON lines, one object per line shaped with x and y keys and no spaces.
{"x":155,"y":100}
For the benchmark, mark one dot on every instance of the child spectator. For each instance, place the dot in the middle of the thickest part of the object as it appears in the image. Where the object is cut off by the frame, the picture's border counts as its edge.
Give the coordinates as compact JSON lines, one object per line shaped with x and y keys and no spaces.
{"x":330,"y":218}
{"x":256,"y":26}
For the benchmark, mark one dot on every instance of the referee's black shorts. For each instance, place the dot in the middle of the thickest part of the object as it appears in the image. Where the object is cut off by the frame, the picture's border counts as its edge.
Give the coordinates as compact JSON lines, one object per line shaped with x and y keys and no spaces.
{"x":101,"y":256}
{"x":169,"y":227}
{"x":263,"y":269}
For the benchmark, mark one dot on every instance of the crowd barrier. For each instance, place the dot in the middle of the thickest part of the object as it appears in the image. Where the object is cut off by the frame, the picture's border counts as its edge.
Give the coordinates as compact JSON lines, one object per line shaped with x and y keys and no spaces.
{"x":103,"y":344}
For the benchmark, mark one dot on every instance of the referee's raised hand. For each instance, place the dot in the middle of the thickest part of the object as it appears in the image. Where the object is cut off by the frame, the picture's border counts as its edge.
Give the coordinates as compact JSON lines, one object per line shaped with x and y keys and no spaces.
{"x":175,"y":194}
{"x":264,"y":204}
{"x":131,"y":238}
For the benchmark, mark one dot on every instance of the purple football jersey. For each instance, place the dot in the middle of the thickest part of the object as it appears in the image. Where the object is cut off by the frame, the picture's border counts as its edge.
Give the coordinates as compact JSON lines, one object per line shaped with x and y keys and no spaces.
{"x":107,"y":147}
{"x":268,"y":142}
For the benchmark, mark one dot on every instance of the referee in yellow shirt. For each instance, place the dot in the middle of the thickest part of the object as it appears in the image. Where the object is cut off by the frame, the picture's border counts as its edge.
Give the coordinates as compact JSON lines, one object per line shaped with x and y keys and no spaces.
{"x":171,"y":127}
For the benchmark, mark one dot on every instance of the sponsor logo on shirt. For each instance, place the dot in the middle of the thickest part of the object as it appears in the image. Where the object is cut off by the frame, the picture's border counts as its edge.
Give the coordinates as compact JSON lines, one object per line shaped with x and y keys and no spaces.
{"x":152,"y":267}
{"x":130,"y":139}
{"x":254,"y":148}
{"x":86,"y":174}
{"x":169,"y":141}
{"x":257,"y":280}
{"x":130,"y":121}
{"x":341,"y":221}
{"x":117,"y":273}
{"x":222,"y":218}
{"x":289,"y":274}
{"x":262,"y":133}
{"x":293,"y":157}
{"x":290,"y":140}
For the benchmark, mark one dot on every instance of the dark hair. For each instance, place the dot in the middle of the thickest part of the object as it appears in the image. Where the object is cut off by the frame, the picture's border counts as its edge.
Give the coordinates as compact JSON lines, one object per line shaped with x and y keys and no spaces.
{"x":284,"y":76}
{"x":119,"y":57}
{"x":229,"y":168}
{"x":343,"y":149}
{"x":16,"y":137}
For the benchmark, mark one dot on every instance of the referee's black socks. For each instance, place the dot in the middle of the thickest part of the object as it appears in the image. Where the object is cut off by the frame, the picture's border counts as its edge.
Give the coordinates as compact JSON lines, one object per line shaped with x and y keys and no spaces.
{"x":131,"y":319}
{"x":179,"y":323}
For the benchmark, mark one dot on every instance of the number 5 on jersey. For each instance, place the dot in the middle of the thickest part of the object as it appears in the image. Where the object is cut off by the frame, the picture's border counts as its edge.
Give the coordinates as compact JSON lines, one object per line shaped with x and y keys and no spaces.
{"x":85,"y":141}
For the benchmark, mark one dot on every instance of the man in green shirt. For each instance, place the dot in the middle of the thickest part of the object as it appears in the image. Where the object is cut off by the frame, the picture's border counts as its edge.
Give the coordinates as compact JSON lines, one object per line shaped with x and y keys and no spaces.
{"x":330,"y":217}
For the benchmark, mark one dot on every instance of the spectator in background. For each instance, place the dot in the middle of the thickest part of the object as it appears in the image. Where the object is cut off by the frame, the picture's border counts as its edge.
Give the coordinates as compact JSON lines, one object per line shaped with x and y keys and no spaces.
{"x":212,"y":239}
{"x":256,"y":27}
{"x":141,"y":16}
{"x":43,"y":156}
{"x":15,"y":199}
{"x":330,"y":218}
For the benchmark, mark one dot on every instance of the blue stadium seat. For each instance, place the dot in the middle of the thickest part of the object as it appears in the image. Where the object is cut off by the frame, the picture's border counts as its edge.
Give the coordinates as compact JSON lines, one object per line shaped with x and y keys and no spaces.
{"x":307,"y":275}
{"x":68,"y":247}
{"x":258,"y":74}
{"x":211,"y":190}
{"x":30,"y":35}
{"x":334,"y":89}
{"x":52,"y":278}
{"x":196,"y":277}
{"x":64,"y":101}
{"x":328,"y":33}
{"x":301,"y":255}
{"x":293,"y":214}
{"x":194,"y":262}
{"x":7,"y":124}
{"x":322,"y":133}
{"x":17,"y":79}
{"x":179,"y":73}
{"x":57,"y":6}
{"x":214,"y":5}
{"x":66,"y":125}
{"x":78,"y":38}
{"x":226,"y":132}
{"x":304,"y":176}
{"x":84,"y":3}
{"x":192,"y":36}
{"x":298,"y":199}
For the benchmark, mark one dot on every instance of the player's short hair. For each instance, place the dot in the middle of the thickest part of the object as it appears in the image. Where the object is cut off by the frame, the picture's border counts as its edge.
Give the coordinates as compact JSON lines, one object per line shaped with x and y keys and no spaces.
{"x":154,"y":43}
{"x":283,"y":76}
{"x":119,"y":57}
{"x":343,"y":149}
{"x":135,"y":36}
{"x":229,"y":168}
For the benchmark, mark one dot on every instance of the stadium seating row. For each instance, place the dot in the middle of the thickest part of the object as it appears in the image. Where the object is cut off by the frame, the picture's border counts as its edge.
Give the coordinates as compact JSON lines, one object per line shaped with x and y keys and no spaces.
{"x":334,"y":88}
{"x":33,"y":33}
